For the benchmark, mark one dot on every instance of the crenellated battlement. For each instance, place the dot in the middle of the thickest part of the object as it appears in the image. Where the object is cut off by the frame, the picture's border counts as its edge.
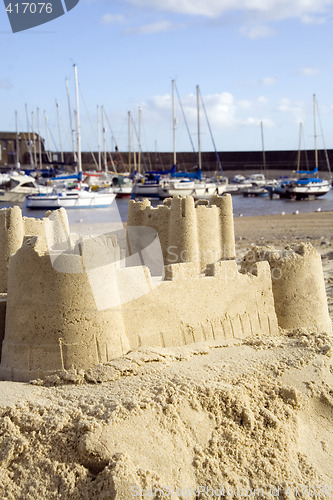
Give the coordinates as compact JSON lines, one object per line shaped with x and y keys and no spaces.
{"x":189,"y":231}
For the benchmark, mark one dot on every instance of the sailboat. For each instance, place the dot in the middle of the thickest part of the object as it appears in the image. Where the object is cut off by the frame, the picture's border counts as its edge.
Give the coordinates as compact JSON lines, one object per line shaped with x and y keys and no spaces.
{"x":79,"y":197}
{"x":307,"y":185}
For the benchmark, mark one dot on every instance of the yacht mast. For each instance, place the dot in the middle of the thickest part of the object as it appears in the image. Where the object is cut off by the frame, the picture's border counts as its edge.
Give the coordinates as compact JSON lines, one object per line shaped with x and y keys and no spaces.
{"x":263,"y":147}
{"x":198,"y":121}
{"x":47,"y":149}
{"x":104,"y":141}
{"x":59,"y":133}
{"x":99,"y":140}
{"x":29,"y":136}
{"x":299,"y":147}
{"x":174,"y":123}
{"x":315,"y":133}
{"x":71,"y":121}
{"x":78,"y":131}
{"x":139,"y":143}
{"x":39,"y":141}
{"x":129,"y":143}
{"x":17,"y":142}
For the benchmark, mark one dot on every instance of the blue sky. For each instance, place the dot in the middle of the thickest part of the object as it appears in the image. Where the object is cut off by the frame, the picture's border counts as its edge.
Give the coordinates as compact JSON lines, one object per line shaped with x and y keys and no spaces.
{"x":254,"y":61}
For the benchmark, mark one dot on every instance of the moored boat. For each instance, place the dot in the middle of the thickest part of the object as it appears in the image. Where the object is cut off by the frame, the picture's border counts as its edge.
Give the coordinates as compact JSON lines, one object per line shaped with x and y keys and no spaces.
{"x":305,"y":187}
{"x":19,"y":186}
{"x":255,"y":191}
{"x":175,"y":187}
{"x":71,"y":198}
{"x":307,"y":184}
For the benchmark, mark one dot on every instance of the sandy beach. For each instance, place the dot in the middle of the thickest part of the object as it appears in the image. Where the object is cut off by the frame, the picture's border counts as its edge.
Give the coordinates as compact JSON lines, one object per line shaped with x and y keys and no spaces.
{"x":239,"y":418}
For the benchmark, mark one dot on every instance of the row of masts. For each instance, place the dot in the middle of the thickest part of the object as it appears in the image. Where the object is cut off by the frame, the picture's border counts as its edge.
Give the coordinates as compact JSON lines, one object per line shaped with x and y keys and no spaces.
{"x":102,"y":118}
{"x":133,"y":156}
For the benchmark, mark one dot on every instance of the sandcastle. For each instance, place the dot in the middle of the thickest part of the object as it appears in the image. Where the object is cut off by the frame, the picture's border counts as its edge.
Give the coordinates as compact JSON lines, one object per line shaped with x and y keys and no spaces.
{"x":72,"y":303}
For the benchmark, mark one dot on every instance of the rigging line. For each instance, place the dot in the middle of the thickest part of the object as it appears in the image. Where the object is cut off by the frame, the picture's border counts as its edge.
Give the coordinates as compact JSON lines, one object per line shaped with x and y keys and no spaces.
{"x":187,"y":127}
{"x":53,"y":140}
{"x":111,"y":161}
{"x":305,"y":150}
{"x":322,"y":134}
{"x":89,"y":117}
{"x":137,"y":136}
{"x":91,"y":152}
{"x":65,"y":131}
{"x":47,"y":138}
{"x":211,"y":134}
{"x":93,"y":131}
{"x":115,"y":141}
{"x":145,"y":138}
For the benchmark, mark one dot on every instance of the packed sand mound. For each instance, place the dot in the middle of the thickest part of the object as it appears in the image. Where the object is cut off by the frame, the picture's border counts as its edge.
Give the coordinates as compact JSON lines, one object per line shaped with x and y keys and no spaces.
{"x":252,"y":417}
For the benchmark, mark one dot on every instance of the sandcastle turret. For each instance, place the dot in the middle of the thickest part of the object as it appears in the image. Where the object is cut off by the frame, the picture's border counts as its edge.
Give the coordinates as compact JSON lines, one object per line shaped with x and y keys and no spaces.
{"x":201,"y":233}
{"x":52,"y":321}
{"x":298,"y":285}
{"x":183,"y":243}
{"x":11,"y":238}
{"x":224,"y":203}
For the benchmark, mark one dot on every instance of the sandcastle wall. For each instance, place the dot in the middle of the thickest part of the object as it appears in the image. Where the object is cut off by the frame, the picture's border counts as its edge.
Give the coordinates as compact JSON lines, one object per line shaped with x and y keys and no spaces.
{"x":189,"y":308}
{"x":60,"y":326}
{"x":298,"y":285}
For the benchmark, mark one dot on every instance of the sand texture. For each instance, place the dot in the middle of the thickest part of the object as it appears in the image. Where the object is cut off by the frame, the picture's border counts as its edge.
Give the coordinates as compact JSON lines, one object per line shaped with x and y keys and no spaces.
{"x":239,"y":418}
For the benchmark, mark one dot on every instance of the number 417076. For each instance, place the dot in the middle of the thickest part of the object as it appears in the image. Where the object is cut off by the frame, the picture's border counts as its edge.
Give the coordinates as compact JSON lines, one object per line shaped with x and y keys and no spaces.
{"x":29,"y":8}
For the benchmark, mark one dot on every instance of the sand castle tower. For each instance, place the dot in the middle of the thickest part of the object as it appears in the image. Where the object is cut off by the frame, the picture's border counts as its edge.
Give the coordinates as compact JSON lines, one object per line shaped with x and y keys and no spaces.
{"x":11,"y":238}
{"x":201,"y":233}
{"x":52,"y":321}
{"x":298,"y":285}
{"x":13,"y":229}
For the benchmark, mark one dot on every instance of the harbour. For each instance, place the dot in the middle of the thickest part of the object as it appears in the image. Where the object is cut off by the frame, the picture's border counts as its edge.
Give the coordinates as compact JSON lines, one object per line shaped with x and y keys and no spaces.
{"x":243,"y":206}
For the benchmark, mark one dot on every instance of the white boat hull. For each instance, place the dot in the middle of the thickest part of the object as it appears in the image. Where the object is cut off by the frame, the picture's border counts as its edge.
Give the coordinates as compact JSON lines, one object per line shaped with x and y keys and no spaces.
{"x":19,"y":188}
{"x":146,"y":190}
{"x":206,"y":192}
{"x":123,"y":192}
{"x":176,"y":188}
{"x":71,"y":199}
{"x":12,"y":196}
{"x":310,"y":190}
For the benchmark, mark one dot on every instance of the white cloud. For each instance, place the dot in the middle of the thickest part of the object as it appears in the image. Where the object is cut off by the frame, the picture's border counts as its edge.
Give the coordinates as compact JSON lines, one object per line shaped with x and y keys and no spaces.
{"x":5,"y":84}
{"x":255,"y":32}
{"x":295,"y":109}
{"x":305,"y":10}
{"x":309,"y":71}
{"x":268,"y":80}
{"x":112,"y":19}
{"x":307,"y":19}
{"x":153,"y":28}
{"x":223,"y":110}
{"x":262,"y":100}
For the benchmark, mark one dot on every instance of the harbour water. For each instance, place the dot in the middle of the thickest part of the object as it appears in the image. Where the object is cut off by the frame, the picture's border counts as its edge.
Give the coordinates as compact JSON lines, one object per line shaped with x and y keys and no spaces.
{"x":243,"y":206}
